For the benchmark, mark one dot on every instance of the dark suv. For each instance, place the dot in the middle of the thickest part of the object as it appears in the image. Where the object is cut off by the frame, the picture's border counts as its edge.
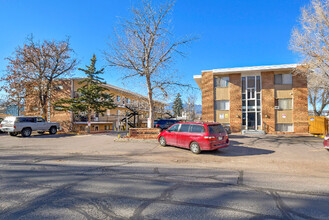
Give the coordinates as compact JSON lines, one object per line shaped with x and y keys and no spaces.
{"x":164,"y":123}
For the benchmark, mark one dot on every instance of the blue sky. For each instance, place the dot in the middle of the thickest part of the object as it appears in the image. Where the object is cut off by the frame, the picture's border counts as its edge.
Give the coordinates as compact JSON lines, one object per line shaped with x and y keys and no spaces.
{"x":233,"y":33}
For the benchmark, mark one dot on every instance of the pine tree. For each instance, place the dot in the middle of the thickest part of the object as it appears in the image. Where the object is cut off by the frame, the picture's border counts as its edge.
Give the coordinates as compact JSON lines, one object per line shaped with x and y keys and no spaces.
{"x":178,"y":106}
{"x":93,"y":98}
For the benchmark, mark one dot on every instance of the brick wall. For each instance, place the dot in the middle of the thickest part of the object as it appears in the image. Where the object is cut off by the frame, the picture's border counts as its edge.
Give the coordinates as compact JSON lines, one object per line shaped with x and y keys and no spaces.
{"x":268,"y":101}
{"x":300,"y":104}
{"x":235,"y":102}
{"x":144,"y":133}
{"x":63,"y":117}
{"x":208,"y":111}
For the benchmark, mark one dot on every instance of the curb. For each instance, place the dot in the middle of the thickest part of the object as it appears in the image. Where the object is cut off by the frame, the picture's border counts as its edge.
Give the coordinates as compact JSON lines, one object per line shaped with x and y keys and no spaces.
{"x":154,"y":141}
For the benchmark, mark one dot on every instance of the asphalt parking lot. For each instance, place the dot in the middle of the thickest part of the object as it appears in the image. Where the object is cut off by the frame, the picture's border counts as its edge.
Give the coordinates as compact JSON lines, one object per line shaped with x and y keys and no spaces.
{"x":94,"y":177}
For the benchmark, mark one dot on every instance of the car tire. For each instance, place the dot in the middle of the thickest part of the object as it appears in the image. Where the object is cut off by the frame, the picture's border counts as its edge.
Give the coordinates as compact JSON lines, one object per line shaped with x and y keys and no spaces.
{"x":195,"y":148}
{"x":26,"y":132}
{"x":41,"y":132}
{"x":162,"y":141}
{"x":13,"y":134}
{"x":53,"y":130}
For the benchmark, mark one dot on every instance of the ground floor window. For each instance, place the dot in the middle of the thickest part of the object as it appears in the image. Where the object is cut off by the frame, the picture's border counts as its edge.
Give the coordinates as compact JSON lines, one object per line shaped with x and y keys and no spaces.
{"x":107,"y":127}
{"x":95,"y":127}
{"x":284,"y":127}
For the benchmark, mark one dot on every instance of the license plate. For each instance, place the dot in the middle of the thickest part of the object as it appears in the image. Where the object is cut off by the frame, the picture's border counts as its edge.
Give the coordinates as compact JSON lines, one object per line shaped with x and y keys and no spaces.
{"x":220,"y":138}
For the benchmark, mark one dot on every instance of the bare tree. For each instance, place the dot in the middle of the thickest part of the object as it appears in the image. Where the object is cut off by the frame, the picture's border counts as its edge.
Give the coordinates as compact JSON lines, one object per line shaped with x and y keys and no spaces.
{"x":34,"y":67}
{"x":144,"y":47}
{"x":190,"y":107}
{"x":311,"y":38}
{"x":318,"y":92}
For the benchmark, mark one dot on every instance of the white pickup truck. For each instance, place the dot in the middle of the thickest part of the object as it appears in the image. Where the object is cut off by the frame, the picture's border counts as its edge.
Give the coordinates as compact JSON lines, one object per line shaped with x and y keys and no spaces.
{"x":25,"y":125}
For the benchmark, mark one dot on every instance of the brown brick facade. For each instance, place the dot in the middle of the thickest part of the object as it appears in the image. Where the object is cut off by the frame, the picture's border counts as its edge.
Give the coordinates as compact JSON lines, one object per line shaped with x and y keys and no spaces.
{"x":300,"y":104}
{"x":32,"y":106}
{"x":268,"y":102}
{"x":208,"y":110}
{"x":235,"y":102}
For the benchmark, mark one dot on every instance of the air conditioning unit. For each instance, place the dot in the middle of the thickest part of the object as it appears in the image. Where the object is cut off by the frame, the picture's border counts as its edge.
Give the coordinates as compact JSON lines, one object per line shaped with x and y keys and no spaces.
{"x":276,"y":107}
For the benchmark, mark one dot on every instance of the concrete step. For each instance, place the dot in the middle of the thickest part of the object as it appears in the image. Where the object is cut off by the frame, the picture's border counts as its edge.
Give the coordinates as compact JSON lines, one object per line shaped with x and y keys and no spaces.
{"x":258,"y":132}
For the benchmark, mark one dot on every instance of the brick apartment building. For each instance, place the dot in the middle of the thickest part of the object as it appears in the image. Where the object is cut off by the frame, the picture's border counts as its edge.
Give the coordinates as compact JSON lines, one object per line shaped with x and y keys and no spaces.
{"x":131,"y":110}
{"x":260,"y":98}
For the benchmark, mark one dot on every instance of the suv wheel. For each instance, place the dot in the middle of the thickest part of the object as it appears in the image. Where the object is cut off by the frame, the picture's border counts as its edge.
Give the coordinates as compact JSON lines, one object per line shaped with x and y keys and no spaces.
{"x":13,"y":133}
{"x":26,"y":132}
{"x":53,"y":130}
{"x":162,"y":141}
{"x":195,"y":148}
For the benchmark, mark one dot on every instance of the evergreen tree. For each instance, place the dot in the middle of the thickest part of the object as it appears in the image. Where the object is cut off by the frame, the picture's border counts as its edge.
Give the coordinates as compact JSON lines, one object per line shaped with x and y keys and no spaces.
{"x":93,"y":97}
{"x":178,"y":106}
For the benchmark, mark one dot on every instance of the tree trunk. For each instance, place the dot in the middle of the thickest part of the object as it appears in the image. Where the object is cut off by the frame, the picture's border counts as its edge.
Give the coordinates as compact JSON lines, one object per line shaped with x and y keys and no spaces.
{"x":49,"y":105}
{"x":89,"y":121}
{"x":150,"y":96}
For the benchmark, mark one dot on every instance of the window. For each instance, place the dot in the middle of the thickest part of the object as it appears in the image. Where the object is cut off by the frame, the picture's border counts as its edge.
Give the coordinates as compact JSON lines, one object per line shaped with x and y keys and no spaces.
{"x":284,"y":127}
{"x":40,"y":120}
{"x":215,"y":129}
{"x":197,"y":128}
{"x":284,"y":104}
{"x":221,"y":81}
{"x":118,"y":98}
{"x":174,"y":128}
{"x":222,"y":105}
{"x":128,"y":101}
{"x":29,"y":119}
{"x":59,"y":87}
{"x":184,"y":128}
{"x":107,"y":127}
{"x":82,"y":128}
{"x":280,"y":79}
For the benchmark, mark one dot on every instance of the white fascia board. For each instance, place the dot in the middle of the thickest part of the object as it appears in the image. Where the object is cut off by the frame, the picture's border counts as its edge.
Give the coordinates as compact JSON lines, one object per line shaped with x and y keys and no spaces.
{"x":198,"y":80}
{"x":253,"y":68}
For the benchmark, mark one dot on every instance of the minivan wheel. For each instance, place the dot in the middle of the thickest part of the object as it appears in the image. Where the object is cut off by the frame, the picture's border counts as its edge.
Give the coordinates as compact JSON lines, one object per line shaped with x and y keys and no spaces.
{"x":26,"y":132}
{"x":13,"y":133}
{"x":53,"y":130}
{"x":162,"y":141}
{"x":195,"y":148}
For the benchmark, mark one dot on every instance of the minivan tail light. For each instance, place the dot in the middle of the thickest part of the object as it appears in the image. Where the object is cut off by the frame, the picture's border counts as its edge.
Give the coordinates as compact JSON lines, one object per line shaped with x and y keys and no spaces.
{"x":14,"y":127}
{"x":210,"y":138}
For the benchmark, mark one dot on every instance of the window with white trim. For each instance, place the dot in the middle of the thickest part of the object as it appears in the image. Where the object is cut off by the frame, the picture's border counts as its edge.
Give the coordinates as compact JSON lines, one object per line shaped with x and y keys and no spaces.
{"x":221,"y":81}
{"x":284,"y":104}
{"x":284,"y":127}
{"x":280,"y":79}
{"x":222,"y":105}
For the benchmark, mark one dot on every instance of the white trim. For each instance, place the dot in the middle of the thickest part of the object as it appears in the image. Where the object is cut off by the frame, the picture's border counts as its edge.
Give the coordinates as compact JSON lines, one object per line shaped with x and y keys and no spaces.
{"x":252,"y":68}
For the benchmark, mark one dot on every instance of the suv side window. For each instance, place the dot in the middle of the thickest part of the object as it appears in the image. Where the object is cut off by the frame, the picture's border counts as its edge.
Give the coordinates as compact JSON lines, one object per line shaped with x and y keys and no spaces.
{"x":197,"y":129}
{"x":40,"y":120}
{"x":27,"y":120}
{"x":174,"y":128}
{"x":184,"y":128}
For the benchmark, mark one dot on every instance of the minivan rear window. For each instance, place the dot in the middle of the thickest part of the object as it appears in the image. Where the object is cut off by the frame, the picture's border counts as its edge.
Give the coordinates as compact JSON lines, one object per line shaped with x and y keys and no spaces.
{"x":215,"y":129}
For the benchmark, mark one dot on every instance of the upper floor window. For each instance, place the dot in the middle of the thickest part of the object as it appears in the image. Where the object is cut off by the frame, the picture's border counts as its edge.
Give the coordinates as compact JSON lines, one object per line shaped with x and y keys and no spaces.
{"x":221,"y":81}
{"x":284,"y":104}
{"x":59,"y":87}
{"x":222,"y":105}
{"x":118,"y":98}
{"x":280,"y":79}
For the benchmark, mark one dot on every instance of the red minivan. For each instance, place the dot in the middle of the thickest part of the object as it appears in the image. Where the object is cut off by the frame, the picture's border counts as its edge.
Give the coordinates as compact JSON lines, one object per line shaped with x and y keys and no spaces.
{"x":195,"y":136}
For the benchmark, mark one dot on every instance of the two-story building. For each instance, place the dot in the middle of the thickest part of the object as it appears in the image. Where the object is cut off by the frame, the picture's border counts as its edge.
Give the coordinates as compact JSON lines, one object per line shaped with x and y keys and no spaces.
{"x":260,"y":98}
{"x":131,"y":108}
